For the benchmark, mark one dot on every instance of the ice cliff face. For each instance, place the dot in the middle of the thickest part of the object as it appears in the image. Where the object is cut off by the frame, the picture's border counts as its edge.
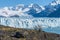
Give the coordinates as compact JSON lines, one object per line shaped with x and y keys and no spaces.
{"x":30,"y":23}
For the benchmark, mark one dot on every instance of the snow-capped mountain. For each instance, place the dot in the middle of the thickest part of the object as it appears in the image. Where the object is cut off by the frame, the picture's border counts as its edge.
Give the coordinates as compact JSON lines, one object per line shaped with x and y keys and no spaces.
{"x":20,"y":10}
{"x":33,"y":10}
{"x":50,"y":9}
{"x":36,"y":7}
{"x":55,"y":2}
{"x":54,"y":8}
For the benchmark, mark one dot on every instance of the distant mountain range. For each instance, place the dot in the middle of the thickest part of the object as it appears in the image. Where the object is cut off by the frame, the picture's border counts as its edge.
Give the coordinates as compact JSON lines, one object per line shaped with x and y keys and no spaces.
{"x":32,"y":10}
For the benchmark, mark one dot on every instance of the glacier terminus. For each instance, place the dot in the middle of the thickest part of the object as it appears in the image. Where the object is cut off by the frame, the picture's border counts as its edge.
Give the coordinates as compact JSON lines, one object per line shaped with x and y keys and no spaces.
{"x":30,"y":23}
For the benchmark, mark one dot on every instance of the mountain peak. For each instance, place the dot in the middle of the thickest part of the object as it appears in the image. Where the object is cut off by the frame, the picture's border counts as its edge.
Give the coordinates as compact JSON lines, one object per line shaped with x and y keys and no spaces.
{"x":58,"y":1}
{"x":31,"y":5}
{"x":37,"y":7}
{"x":55,"y":2}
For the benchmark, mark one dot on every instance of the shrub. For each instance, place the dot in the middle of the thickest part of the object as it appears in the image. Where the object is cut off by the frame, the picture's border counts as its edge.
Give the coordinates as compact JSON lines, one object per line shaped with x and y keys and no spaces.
{"x":38,"y":28}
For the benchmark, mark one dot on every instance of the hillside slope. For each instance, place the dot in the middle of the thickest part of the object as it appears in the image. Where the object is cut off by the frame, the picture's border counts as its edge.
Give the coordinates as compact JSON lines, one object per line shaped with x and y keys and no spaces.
{"x":7,"y":33}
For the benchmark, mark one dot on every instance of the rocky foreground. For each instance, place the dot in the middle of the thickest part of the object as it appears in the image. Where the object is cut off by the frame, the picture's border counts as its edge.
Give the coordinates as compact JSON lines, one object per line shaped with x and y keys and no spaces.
{"x":9,"y":33}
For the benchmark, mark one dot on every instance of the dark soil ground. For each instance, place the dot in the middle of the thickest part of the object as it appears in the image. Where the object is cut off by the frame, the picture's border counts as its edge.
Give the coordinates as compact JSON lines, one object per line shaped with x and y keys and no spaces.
{"x":8,"y":33}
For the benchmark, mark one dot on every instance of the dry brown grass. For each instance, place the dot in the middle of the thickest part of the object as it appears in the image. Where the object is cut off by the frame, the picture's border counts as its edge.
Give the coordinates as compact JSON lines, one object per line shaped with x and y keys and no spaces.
{"x":6,"y":33}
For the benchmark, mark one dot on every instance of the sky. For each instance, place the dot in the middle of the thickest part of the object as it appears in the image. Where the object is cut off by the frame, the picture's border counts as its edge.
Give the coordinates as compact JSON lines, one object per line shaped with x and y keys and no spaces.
{"x":4,"y":3}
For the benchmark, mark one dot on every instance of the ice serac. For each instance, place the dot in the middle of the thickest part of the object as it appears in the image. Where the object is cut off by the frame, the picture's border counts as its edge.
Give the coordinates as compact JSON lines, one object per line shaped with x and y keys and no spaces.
{"x":30,"y":23}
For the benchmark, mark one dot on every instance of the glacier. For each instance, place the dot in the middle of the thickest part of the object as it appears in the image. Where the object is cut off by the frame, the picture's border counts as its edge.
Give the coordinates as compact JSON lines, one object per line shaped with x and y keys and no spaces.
{"x":30,"y":23}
